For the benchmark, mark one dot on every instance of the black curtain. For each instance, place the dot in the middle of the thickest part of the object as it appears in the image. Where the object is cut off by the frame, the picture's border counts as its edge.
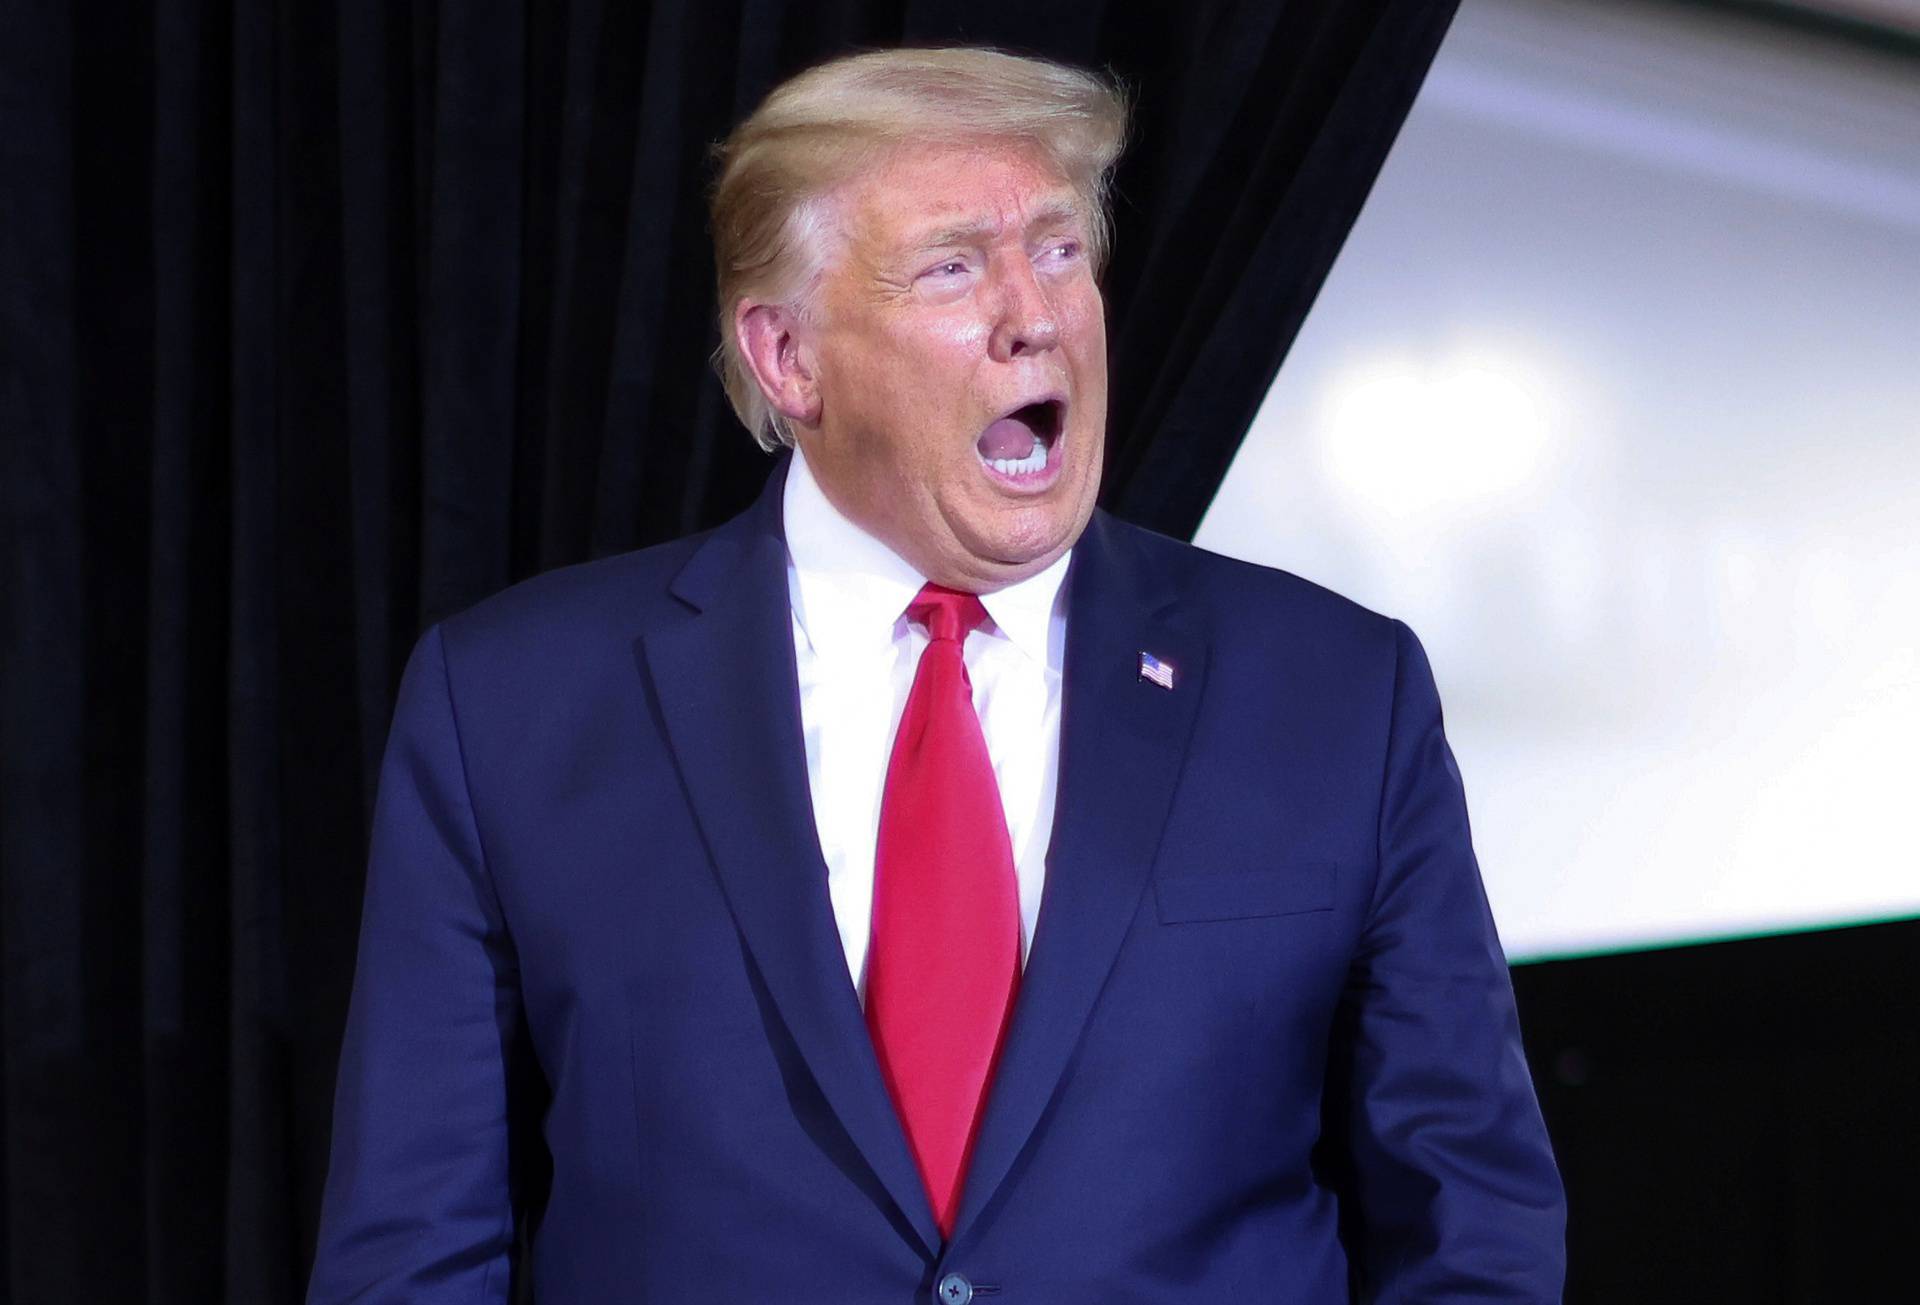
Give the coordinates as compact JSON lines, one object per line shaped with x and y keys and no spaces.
{"x":1734,"y":1121}
{"x":321,"y":322}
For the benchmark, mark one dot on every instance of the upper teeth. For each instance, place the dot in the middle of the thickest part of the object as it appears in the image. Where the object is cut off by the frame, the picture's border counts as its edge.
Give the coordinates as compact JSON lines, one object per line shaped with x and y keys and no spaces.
{"x":1034,"y":461}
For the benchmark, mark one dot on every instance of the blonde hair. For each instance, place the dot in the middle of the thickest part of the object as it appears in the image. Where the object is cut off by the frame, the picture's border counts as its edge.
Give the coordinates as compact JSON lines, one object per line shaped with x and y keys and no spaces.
{"x":818,"y":129}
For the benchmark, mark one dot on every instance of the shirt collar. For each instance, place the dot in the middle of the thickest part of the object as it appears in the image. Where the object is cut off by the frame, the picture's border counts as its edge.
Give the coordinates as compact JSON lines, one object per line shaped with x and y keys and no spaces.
{"x":1030,"y":613}
{"x":849,"y":590}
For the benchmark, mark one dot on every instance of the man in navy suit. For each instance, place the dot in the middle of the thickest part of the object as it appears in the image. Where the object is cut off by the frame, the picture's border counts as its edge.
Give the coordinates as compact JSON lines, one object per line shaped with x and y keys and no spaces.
{"x":925,"y":886}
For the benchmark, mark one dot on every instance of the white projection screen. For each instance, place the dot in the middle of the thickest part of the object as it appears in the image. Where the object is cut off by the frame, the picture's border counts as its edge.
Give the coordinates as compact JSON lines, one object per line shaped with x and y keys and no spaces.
{"x":1614,"y":396}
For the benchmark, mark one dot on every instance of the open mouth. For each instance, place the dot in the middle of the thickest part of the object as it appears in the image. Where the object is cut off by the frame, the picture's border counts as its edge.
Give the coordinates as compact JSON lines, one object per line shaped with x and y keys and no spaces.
{"x":1021,"y":443}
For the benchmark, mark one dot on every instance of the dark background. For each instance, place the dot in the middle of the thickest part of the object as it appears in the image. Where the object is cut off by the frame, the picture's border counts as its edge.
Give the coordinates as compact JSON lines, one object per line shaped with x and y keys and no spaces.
{"x":321,"y":322}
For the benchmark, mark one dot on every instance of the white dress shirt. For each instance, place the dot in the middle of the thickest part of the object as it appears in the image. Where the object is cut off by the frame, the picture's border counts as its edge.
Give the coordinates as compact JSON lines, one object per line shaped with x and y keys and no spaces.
{"x":857,"y":652}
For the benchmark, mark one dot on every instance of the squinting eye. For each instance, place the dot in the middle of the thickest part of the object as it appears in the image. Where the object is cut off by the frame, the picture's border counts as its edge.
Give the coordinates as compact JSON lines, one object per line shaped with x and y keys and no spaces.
{"x":952,"y":268}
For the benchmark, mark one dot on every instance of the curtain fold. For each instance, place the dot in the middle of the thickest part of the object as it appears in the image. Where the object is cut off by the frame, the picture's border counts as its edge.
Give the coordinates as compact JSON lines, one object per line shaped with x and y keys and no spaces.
{"x":320,"y":323}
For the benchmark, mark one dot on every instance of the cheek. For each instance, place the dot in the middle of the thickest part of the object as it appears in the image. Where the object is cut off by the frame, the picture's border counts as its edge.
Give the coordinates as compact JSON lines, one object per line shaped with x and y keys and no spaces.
{"x":1083,"y":319}
{"x":922,"y":360}
{"x":956,"y":335}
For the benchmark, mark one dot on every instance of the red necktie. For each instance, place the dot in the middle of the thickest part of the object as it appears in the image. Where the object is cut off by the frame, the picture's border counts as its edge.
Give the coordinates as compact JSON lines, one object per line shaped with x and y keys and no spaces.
{"x":944,"y":961}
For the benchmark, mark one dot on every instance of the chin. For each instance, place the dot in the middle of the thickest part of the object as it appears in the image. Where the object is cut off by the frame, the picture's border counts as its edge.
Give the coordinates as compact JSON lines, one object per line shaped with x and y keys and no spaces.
{"x":1032,"y":551}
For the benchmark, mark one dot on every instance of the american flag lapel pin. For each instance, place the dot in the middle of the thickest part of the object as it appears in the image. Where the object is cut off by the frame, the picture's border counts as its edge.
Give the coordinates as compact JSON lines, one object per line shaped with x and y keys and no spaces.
{"x":1156,"y":671}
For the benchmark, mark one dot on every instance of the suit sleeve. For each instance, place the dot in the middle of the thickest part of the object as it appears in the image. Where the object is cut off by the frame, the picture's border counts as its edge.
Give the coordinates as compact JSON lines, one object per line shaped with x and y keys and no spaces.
{"x":417,"y":1206}
{"x":1456,"y":1194}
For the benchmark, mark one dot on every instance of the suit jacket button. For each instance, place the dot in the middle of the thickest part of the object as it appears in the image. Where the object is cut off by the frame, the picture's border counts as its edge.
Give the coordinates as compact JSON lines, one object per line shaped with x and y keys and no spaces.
{"x":953,"y":1290}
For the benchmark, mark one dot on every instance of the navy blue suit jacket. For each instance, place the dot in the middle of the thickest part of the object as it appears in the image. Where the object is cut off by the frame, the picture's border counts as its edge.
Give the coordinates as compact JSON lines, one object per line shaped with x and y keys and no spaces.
{"x":1264,"y":1050}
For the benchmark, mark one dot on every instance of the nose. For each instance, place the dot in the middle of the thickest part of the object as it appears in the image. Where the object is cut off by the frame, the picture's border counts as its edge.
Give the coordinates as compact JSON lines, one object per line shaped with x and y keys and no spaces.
{"x":1027,"y":323}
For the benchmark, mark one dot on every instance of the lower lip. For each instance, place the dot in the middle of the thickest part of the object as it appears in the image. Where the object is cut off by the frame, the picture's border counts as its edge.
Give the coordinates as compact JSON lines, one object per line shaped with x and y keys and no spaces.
{"x":1031,"y":482}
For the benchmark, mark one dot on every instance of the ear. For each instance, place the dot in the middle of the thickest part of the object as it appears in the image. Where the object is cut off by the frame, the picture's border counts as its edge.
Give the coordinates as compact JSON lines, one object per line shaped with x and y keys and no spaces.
{"x":771,"y":339}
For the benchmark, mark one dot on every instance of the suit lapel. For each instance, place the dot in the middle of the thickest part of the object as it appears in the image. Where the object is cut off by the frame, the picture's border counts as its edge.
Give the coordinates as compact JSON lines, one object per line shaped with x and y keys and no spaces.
{"x":725,"y":681}
{"x":1123,"y":740}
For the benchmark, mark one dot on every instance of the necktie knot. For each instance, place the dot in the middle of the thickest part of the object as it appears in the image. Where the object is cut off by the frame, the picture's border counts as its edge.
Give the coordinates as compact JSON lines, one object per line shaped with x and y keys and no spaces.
{"x":947,"y":613}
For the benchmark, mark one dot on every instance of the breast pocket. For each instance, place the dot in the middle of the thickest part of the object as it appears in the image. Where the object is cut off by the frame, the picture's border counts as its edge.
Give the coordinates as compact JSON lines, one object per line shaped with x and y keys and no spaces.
{"x":1245,"y":894}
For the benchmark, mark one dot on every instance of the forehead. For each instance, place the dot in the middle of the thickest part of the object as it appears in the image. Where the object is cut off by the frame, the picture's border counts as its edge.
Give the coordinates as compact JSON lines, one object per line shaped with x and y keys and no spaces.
{"x":915,"y":194}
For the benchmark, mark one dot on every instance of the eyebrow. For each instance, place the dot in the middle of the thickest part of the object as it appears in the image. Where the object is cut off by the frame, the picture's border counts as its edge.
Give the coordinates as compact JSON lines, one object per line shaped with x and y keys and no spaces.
{"x":1049,"y":214}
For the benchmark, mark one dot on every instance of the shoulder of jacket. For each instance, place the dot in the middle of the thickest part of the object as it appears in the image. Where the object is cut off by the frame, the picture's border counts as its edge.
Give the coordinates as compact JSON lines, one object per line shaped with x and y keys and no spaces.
{"x":1240,"y":591}
{"x":610,"y":595}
